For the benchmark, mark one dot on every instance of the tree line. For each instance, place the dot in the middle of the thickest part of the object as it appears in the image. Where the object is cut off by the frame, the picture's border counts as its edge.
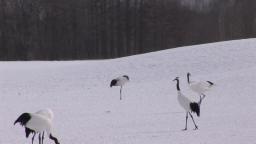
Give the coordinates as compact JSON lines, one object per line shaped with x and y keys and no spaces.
{"x":97,"y":29}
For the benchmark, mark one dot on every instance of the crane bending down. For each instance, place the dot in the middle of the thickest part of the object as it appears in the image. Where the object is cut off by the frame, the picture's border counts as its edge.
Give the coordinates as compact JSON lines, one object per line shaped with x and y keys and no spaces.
{"x":120,"y":81}
{"x":36,"y":123}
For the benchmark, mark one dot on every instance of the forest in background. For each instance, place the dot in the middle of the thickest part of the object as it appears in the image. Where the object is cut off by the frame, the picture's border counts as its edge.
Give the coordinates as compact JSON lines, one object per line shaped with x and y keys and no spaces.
{"x":99,"y":29}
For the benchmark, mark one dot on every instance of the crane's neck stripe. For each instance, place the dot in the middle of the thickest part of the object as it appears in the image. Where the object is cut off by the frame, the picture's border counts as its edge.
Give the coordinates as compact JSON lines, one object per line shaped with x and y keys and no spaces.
{"x":178,"y":85}
{"x":126,"y":77}
{"x":188,"y":78}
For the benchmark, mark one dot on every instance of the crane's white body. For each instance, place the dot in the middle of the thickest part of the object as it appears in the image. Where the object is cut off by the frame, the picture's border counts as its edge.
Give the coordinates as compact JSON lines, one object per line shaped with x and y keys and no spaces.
{"x":120,"y":81}
{"x":184,"y":101}
{"x":39,"y":123}
{"x":199,"y":87}
{"x":48,"y":113}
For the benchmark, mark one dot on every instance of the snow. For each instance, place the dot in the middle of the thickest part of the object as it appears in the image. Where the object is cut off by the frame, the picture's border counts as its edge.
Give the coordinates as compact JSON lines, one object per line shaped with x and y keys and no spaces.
{"x":87,"y":110}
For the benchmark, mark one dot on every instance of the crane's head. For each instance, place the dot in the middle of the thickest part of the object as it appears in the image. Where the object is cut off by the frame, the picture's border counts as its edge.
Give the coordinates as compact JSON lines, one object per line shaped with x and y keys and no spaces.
{"x":126,"y":77}
{"x":176,"y":79}
{"x":188,"y":74}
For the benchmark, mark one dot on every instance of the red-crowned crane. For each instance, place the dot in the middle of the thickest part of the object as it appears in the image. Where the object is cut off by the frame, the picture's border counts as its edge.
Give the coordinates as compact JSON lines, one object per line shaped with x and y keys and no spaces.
{"x":188,"y":105}
{"x":120,"y":81}
{"x":37,"y":123}
{"x":199,"y":87}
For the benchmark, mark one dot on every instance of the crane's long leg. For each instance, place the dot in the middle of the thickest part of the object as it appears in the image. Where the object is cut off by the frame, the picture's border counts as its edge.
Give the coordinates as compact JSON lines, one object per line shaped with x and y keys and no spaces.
{"x":39,"y":137}
{"x":186,"y":121}
{"x":43,"y":138}
{"x":193,"y":121}
{"x":33,"y":138}
{"x":201,"y":98}
{"x":121,"y":93}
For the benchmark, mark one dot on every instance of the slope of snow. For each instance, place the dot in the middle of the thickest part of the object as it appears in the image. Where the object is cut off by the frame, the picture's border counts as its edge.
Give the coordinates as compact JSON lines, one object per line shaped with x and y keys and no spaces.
{"x":87,"y":110}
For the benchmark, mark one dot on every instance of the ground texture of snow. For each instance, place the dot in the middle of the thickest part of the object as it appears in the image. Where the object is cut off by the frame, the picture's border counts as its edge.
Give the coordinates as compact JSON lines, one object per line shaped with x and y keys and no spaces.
{"x":88,"y":111}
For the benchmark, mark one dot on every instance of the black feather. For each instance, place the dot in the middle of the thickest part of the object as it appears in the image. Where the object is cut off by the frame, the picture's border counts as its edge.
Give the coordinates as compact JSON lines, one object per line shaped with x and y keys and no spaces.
{"x":23,"y":119}
{"x":195,"y":108}
{"x":28,"y":131}
{"x":211,"y":83}
{"x":113,"y":82}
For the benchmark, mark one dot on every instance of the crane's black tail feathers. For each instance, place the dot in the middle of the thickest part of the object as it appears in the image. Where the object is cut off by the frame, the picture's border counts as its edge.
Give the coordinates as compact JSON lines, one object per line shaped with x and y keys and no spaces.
{"x":23,"y":119}
{"x":195,"y":107}
{"x":28,"y":131}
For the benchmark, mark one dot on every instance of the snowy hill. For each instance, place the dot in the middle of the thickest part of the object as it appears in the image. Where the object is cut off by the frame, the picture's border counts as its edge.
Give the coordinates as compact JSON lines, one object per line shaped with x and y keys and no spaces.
{"x":88,"y":111}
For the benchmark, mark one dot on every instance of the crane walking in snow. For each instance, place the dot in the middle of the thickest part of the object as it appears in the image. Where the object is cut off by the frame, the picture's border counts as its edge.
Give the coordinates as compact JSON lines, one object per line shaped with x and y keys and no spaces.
{"x":120,"y":81}
{"x":188,"y":105}
{"x":37,"y":123}
{"x":199,"y":87}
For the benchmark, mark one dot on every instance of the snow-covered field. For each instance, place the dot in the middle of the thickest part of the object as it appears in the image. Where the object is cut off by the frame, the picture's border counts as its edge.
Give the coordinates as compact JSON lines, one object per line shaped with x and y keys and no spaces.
{"x":88,"y":111}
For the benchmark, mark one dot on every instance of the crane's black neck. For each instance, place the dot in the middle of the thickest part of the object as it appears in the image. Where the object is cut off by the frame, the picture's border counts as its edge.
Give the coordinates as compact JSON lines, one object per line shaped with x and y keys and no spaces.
{"x":188,"y":78}
{"x":178,"y":85}
{"x":126,"y":77}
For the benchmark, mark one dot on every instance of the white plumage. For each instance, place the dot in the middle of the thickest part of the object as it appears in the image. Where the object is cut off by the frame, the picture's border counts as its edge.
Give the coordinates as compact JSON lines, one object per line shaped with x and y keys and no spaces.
{"x":199,"y":87}
{"x":184,"y":101}
{"x":38,"y":123}
{"x":187,"y":104}
{"x":120,"y":81}
{"x":48,"y":113}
